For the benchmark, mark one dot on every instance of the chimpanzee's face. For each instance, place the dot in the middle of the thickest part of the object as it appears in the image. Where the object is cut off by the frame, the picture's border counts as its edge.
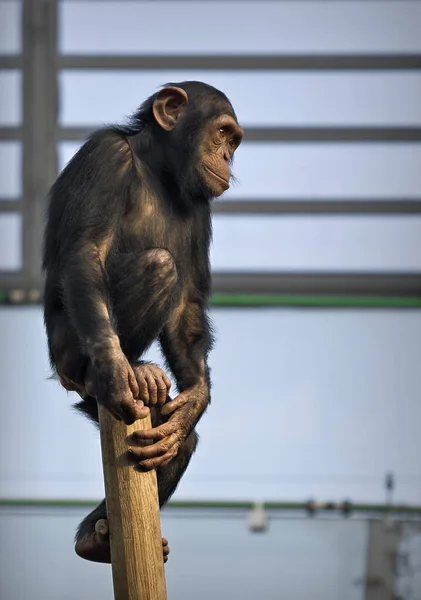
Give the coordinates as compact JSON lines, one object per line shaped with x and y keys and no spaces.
{"x":221,"y":137}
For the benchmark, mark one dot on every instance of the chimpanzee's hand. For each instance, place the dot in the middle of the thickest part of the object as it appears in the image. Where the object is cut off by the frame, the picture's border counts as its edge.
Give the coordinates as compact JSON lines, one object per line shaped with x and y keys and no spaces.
{"x":116,"y":388}
{"x":154,"y":385}
{"x":167,"y":438}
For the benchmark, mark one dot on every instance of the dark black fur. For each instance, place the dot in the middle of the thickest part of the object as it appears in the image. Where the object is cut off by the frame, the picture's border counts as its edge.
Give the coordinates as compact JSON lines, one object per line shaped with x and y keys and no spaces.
{"x":86,"y":202}
{"x":152,"y":263}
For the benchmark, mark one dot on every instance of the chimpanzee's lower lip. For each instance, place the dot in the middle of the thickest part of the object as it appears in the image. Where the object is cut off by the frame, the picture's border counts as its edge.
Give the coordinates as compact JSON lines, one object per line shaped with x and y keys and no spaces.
{"x":217,"y":176}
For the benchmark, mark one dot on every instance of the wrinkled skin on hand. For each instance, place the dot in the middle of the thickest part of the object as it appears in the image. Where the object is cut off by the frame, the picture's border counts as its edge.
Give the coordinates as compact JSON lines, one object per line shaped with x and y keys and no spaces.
{"x":113,"y":382}
{"x":156,"y":447}
{"x":125,"y":389}
{"x":154,"y":385}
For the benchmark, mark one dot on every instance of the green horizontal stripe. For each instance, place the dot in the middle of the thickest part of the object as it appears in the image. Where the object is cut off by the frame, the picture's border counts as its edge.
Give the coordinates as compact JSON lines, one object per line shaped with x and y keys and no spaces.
{"x":238,"y":300}
{"x":212,"y":505}
{"x":309,"y":300}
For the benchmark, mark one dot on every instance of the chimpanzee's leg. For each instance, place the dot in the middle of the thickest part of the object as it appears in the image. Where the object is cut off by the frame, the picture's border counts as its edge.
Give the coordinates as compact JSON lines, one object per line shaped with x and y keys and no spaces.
{"x":92,"y":537}
{"x":92,"y":540}
{"x":169,"y":476}
{"x":143,"y":289}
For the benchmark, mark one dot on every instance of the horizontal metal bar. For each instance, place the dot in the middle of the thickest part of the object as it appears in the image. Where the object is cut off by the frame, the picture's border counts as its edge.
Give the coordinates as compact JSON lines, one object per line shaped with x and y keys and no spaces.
{"x":312,"y":301}
{"x":294,"y":134}
{"x":21,"y":297}
{"x":10,"y":133}
{"x":10,"y":62}
{"x":239,"y":1}
{"x":334,"y":284}
{"x":332,"y":134}
{"x":221,"y":504}
{"x":11,"y":280}
{"x":10,"y":205}
{"x":235,"y":1}
{"x":292,"y":207}
{"x":276,"y":289}
{"x":317,"y":207}
{"x":244,"y":62}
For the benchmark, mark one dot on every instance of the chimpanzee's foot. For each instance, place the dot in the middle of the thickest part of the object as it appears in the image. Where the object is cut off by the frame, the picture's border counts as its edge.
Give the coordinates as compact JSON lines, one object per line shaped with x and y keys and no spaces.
{"x":94,"y":544}
{"x":165,"y":549}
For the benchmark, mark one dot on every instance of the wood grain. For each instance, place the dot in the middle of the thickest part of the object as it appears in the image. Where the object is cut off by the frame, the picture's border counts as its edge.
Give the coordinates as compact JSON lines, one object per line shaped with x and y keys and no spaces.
{"x":133,"y":516}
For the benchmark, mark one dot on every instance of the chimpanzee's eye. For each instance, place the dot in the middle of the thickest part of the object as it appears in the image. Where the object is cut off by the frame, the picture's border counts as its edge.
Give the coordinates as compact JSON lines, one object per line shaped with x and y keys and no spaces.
{"x":222,"y":131}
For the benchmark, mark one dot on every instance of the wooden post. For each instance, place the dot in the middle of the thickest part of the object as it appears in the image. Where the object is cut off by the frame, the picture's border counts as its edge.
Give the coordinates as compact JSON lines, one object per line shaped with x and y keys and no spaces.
{"x":133,"y":516}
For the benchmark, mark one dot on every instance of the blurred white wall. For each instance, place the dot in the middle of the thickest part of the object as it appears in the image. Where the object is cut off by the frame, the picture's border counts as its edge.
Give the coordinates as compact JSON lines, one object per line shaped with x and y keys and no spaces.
{"x":211,"y":557}
{"x":306,"y":403}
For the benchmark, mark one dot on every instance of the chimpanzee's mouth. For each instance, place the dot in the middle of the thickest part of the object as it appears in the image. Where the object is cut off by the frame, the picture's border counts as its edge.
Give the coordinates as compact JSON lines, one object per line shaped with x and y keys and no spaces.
{"x":225,"y":181}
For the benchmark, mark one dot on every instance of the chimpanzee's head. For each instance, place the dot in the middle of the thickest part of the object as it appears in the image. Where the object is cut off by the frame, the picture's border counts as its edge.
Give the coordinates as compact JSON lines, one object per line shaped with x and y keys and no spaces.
{"x":202,"y":134}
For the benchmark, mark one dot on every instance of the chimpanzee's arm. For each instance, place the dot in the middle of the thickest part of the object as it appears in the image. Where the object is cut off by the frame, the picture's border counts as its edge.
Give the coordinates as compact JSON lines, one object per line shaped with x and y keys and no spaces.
{"x":87,"y":204}
{"x":186,"y":342}
{"x":84,"y":293}
{"x":85,"y":207}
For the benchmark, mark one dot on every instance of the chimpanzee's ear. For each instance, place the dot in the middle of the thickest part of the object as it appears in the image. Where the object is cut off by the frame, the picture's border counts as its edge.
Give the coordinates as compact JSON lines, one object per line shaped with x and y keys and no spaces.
{"x":168,"y":106}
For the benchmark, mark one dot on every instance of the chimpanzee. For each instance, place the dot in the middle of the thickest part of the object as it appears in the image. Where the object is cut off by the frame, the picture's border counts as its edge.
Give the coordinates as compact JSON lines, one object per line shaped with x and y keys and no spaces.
{"x":126,"y":257}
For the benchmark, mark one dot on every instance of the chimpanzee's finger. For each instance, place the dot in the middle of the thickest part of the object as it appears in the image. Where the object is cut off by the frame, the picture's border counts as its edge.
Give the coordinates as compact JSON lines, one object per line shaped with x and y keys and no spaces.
{"x":143,"y":389}
{"x":156,"y":433}
{"x":132,"y":410}
{"x":153,"y":389}
{"x":142,"y":411}
{"x":166,"y":381}
{"x":133,"y":453}
{"x":133,"y":382}
{"x":172,"y":405}
{"x":166,"y":461}
{"x":159,"y":449}
{"x":102,"y":531}
{"x":154,"y":463}
{"x":165,"y":549}
{"x":162,"y":390}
